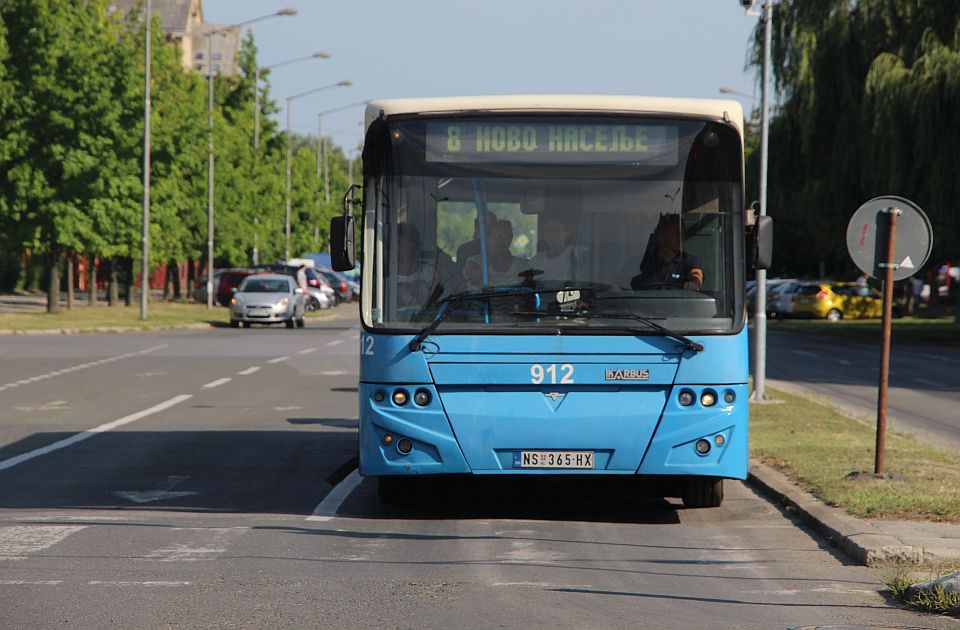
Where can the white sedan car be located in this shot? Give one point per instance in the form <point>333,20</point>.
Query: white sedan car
<point>267,299</point>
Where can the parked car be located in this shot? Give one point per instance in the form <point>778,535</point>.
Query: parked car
<point>267,298</point>
<point>836,300</point>
<point>346,289</point>
<point>320,293</point>
<point>780,298</point>
<point>226,282</point>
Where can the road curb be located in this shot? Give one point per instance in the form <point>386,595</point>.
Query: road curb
<point>856,537</point>
<point>105,329</point>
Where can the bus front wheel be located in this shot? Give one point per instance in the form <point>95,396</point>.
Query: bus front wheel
<point>702,492</point>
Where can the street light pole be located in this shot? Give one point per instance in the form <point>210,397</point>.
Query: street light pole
<point>760,317</point>
<point>322,143</point>
<point>145,238</point>
<point>320,54</point>
<point>210,168</point>
<point>290,99</point>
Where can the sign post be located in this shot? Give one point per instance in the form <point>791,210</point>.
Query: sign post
<point>872,242</point>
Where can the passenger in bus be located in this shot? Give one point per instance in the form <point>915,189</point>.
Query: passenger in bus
<point>472,247</point>
<point>558,259</point>
<point>423,280</point>
<point>665,264</point>
<point>503,268</point>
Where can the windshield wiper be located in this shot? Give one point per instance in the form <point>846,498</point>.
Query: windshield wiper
<point>447,304</point>
<point>690,344</point>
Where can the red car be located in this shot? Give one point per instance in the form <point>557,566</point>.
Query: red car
<point>230,279</point>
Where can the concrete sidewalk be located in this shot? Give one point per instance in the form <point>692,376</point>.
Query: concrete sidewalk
<point>868,542</point>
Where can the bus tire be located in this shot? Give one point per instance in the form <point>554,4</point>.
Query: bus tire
<point>394,490</point>
<point>702,492</point>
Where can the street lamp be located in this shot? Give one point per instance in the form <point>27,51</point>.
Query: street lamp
<point>290,99</point>
<point>753,112</point>
<point>145,238</point>
<point>210,180</point>
<point>320,54</point>
<point>322,146</point>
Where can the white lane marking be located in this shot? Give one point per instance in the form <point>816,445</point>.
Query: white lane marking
<point>290,408</point>
<point>30,582</point>
<point>278,360</point>
<point>217,383</point>
<point>82,366</point>
<point>249,371</point>
<point>331,503</point>
<point>103,428</point>
<point>805,353</point>
<point>335,342</point>
<point>19,540</point>
<point>334,373</point>
<point>132,583</point>
<point>201,543</point>
<point>844,362</point>
<point>924,381</point>
<point>354,338</point>
<point>53,405</point>
<point>307,351</point>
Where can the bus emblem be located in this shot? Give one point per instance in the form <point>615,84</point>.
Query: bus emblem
<point>554,395</point>
<point>627,375</point>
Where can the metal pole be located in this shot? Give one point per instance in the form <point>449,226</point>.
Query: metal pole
<point>889,267</point>
<point>145,238</point>
<point>289,159</point>
<point>326,170</point>
<point>256,108</point>
<point>210,171</point>
<point>760,316</point>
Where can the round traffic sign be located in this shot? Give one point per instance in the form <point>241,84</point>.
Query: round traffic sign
<point>867,237</point>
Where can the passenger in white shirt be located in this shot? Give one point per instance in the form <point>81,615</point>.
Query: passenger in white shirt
<point>559,260</point>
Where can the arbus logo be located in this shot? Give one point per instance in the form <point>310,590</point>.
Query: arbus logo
<point>627,375</point>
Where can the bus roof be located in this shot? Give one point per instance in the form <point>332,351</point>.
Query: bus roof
<point>547,103</point>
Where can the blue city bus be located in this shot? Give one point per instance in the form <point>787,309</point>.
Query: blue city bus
<point>553,286</point>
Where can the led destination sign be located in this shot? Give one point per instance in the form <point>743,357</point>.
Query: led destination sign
<point>551,143</point>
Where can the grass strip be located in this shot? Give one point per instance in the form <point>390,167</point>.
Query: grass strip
<point>940,330</point>
<point>160,315</point>
<point>936,600</point>
<point>817,446</point>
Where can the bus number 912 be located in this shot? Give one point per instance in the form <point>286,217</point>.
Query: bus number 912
<point>540,374</point>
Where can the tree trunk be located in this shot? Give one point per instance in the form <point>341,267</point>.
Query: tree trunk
<point>92,281</point>
<point>175,266</point>
<point>190,283</point>
<point>69,281</point>
<point>53,289</point>
<point>113,293</point>
<point>128,280</point>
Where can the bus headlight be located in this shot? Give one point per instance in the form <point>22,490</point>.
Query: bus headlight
<point>708,398</point>
<point>703,446</point>
<point>686,398</point>
<point>400,397</point>
<point>421,397</point>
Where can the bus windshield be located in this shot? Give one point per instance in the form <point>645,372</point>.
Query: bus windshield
<point>583,223</point>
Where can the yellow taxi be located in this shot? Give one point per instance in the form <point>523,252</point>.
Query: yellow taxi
<point>835,300</point>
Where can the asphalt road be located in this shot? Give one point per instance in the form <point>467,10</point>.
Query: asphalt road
<point>186,479</point>
<point>924,387</point>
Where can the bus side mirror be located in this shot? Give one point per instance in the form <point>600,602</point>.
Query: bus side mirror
<point>343,256</point>
<point>762,243</point>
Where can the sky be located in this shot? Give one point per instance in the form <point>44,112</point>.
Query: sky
<point>418,48</point>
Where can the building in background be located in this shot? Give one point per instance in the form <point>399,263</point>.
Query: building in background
<point>182,22</point>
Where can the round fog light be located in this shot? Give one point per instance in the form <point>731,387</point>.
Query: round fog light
<point>404,445</point>
<point>718,440</point>
<point>388,439</point>
<point>686,398</point>
<point>703,446</point>
<point>379,396</point>
<point>422,397</point>
<point>708,399</point>
<point>728,397</point>
<point>400,397</point>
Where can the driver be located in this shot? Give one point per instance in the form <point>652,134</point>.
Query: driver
<point>665,263</point>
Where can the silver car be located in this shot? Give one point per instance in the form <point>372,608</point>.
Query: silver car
<point>267,299</point>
